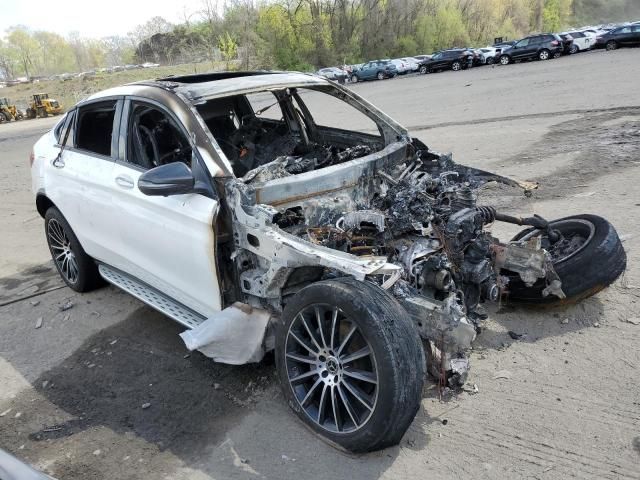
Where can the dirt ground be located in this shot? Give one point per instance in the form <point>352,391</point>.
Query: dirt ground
<point>561,402</point>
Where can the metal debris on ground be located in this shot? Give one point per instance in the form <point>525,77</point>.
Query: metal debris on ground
<point>66,306</point>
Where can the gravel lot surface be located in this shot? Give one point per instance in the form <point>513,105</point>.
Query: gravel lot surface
<point>561,402</point>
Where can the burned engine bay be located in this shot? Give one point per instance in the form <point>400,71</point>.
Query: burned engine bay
<point>398,215</point>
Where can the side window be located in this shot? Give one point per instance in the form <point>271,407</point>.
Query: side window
<point>636,29</point>
<point>265,105</point>
<point>523,43</point>
<point>154,139</point>
<point>625,30</point>
<point>94,127</point>
<point>329,111</point>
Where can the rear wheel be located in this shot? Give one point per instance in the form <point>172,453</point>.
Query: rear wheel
<point>588,258</point>
<point>351,363</point>
<point>544,54</point>
<point>354,79</point>
<point>77,269</point>
<point>612,45</point>
<point>455,66</point>
<point>505,60</point>
<point>490,61</point>
<point>574,49</point>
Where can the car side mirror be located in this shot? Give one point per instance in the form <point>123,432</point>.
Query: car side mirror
<point>170,179</point>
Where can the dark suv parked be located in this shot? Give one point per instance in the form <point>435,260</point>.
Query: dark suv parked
<point>454,59</point>
<point>541,47</point>
<point>625,36</point>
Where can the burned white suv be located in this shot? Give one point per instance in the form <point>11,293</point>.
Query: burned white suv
<point>280,211</point>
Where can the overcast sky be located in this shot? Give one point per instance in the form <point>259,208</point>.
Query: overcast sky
<point>89,17</point>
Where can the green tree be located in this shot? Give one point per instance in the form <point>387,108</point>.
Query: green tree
<point>228,48</point>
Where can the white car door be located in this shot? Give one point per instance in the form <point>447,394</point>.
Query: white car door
<point>78,181</point>
<point>167,242</point>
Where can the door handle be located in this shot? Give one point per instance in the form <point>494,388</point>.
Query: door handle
<point>124,181</point>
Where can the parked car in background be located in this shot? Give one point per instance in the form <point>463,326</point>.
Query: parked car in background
<point>412,62</point>
<point>455,59</point>
<point>333,73</point>
<point>422,58</point>
<point>401,66</point>
<point>376,69</point>
<point>540,47</point>
<point>488,55</point>
<point>626,36</point>
<point>567,44</point>
<point>581,41</point>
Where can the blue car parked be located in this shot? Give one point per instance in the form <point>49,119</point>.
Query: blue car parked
<point>376,69</point>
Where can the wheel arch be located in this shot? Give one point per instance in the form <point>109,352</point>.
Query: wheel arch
<point>43,203</point>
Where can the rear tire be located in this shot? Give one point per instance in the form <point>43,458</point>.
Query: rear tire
<point>354,79</point>
<point>544,55</point>
<point>574,49</point>
<point>598,262</point>
<point>387,348</point>
<point>490,61</point>
<point>77,269</point>
<point>456,66</point>
<point>612,45</point>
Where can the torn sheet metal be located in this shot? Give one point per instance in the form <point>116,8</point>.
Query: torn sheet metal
<point>234,335</point>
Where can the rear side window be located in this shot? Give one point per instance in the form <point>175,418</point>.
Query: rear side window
<point>94,127</point>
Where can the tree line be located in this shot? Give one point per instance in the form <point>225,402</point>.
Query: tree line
<point>303,34</point>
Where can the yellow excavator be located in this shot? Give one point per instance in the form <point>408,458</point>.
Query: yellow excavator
<point>43,106</point>
<point>9,112</point>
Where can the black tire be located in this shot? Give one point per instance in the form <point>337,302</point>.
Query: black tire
<point>398,360</point>
<point>424,69</point>
<point>612,45</point>
<point>456,66</point>
<point>574,49</point>
<point>380,75</point>
<point>60,235</point>
<point>505,60</point>
<point>490,61</point>
<point>544,54</point>
<point>593,267</point>
<point>354,79</point>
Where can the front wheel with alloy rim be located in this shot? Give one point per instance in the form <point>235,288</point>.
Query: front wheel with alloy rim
<point>77,269</point>
<point>455,66</point>
<point>424,69</point>
<point>351,363</point>
<point>505,60</point>
<point>544,55</point>
<point>612,45</point>
<point>380,76</point>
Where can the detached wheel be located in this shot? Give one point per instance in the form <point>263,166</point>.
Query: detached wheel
<point>505,60</point>
<point>456,66</point>
<point>544,55</point>
<point>77,269</point>
<point>612,45</point>
<point>380,76</point>
<point>588,258</point>
<point>351,363</point>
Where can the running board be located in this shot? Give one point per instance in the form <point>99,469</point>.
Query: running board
<point>151,297</point>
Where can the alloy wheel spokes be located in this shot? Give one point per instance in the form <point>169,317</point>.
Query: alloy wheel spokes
<point>331,368</point>
<point>62,252</point>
